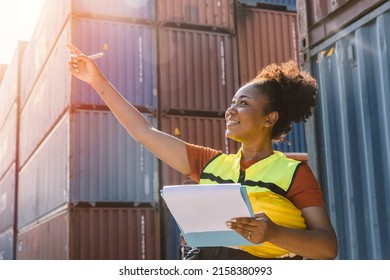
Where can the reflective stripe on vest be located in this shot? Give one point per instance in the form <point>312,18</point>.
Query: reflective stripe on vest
<point>267,183</point>
<point>274,173</point>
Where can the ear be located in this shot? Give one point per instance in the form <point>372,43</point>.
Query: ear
<point>272,118</point>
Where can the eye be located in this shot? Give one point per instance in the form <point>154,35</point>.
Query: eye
<point>243,102</point>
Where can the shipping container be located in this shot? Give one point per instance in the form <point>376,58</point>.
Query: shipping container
<point>295,140</point>
<point>170,235</point>
<point>127,63</point>
<point>350,143</point>
<point>53,19</point>
<point>9,86</point>
<point>279,5</point>
<point>119,10</point>
<point>204,131</point>
<point>93,234</point>
<point>8,136</point>
<point>264,37</point>
<point>197,70</point>
<point>7,199</point>
<point>129,60</point>
<point>199,13</point>
<point>108,165</point>
<point>88,157</point>
<point>320,19</point>
<point>7,244</point>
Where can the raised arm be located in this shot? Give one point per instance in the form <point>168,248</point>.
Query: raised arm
<point>169,149</point>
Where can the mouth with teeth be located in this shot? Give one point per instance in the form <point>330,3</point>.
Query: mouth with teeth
<point>231,122</point>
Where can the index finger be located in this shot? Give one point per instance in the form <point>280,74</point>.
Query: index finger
<point>73,49</point>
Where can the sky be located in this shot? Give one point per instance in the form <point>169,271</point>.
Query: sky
<point>18,19</point>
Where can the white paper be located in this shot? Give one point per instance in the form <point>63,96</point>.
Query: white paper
<point>200,208</point>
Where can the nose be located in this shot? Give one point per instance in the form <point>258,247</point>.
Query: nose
<point>230,111</point>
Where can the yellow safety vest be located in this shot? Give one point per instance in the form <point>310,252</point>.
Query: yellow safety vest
<point>267,183</point>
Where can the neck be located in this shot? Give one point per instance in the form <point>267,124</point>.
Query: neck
<point>248,153</point>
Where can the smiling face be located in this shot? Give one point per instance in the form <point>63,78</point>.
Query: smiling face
<point>246,120</point>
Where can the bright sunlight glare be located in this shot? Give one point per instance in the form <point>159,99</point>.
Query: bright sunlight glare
<point>18,19</point>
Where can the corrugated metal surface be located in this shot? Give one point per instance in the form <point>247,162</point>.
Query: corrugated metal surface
<point>9,85</point>
<point>107,164</point>
<point>45,35</point>
<point>53,19</point>
<point>289,5</point>
<point>44,180</point>
<point>7,199</point>
<point>129,61</point>
<point>209,132</point>
<point>353,130</point>
<point>170,235</point>
<point>135,9</point>
<point>94,234</point>
<point>215,13</point>
<point>295,140</point>
<point>89,158</point>
<point>7,244</point>
<point>326,18</point>
<point>49,99</point>
<point>196,70</point>
<point>115,233</point>
<point>48,240</point>
<point>8,141</point>
<point>265,37</point>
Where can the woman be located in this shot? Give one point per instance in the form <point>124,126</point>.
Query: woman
<point>261,111</point>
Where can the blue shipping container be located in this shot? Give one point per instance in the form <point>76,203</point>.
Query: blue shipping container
<point>352,126</point>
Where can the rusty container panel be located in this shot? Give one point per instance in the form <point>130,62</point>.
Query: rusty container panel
<point>107,164</point>
<point>47,240</point>
<point>44,179</point>
<point>276,39</point>
<point>212,13</point>
<point>7,244</point>
<point>115,9</point>
<point>209,132</point>
<point>93,234</point>
<point>129,60</point>
<point>49,99</point>
<point>8,132</point>
<point>196,70</point>
<point>327,17</point>
<point>7,199</point>
<point>280,5</point>
<point>115,234</point>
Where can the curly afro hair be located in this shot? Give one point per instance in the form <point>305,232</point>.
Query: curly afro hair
<point>290,92</point>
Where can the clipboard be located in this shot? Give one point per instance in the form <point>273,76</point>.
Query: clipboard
<point>201,212</point>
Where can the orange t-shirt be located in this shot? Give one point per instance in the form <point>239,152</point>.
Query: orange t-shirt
<point>304,191</point>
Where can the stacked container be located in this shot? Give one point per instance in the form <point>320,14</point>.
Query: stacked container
<point>267,32</point>
<point>78,174</point>
<point>204,57</point>
<point>76,160</point>
<point>197,79</point>
<point>350,134</point>
<point>9,138</point>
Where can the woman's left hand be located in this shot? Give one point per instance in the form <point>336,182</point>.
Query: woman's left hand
<point>256,230</point>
